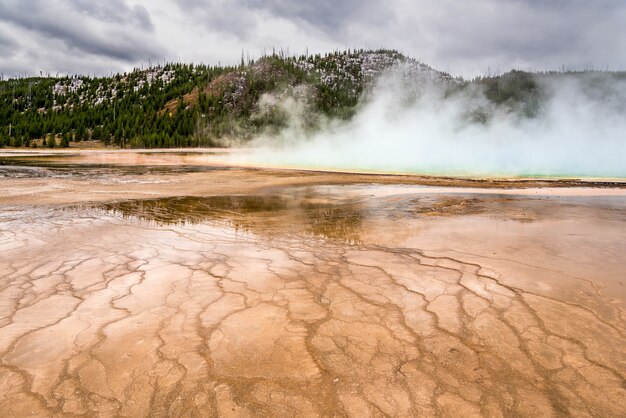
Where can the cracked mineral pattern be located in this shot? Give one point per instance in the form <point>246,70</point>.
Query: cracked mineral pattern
<point>315,301</point>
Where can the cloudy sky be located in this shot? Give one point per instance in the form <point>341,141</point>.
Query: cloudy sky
<point>466,37</point>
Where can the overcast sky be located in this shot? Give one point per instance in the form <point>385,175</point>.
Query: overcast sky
<point>466,37</point>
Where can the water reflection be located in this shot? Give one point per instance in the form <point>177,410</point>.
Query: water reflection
<point>196,209</point>
<point>300,213</point>
<point>345,213</point>
<point>30,169</point>
<point>103,165</point>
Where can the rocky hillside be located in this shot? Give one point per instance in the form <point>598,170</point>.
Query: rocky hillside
<point>197,105</point>
<point>193,105</point>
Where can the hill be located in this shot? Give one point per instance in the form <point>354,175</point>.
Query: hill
<point>180,105</point>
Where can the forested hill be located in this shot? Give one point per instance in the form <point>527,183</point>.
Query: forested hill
<point>180,105</point>
<point>184,104</point>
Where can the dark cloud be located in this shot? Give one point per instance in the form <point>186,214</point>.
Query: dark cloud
<point>330,15</point>
<point>115,11</point>
<point>460,37</point>
<point>7,44</point>
<point>238,17</point>
<point>109,29</point>
<point>224,16</point>
<point>465,37</point>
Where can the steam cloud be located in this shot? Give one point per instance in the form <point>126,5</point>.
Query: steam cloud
<point>580,131</point>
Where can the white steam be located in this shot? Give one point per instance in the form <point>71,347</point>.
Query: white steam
<point>578,132</point>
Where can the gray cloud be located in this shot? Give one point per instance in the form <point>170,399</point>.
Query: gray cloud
<point>223,16</point>
<point>7,43</point>
<point>237,17</point>
<point>533,33</point>
<point>330,15</point>
<point>111,30</point>
<point>115,11</point>
<point>460,37</point>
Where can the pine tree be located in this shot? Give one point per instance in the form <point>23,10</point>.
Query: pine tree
<point>65,140</point>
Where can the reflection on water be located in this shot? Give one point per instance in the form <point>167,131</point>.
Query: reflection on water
<point>196,209</point>
<point>350,213</point>
<point>345,213</point>
<point>294,213</point>
<point>103,165</point>
<point>30,169</point>
<point>337,222</point>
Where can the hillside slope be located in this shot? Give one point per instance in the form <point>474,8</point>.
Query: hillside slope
<point>178,105</point>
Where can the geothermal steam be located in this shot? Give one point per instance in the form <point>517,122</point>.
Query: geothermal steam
<point>578,132</point>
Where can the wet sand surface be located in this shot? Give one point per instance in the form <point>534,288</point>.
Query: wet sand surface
<point>201,290</point>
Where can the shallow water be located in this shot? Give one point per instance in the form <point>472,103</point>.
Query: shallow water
<point>66,168</point>
<point>312,299</point>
